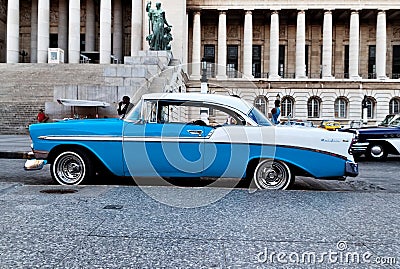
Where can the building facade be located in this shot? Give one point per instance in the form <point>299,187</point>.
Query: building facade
<point>321,58</point>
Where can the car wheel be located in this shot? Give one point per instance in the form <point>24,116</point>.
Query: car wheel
<point>71,167</point>
<point>377,152</point>
<point>272,175</point>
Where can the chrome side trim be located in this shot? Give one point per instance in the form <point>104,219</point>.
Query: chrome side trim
<point>81,138</point>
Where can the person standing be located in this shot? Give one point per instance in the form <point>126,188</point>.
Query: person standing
<point>124,106</point>
<point>276,112</point>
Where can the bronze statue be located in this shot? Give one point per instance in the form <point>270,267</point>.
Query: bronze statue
<point>161,36</point>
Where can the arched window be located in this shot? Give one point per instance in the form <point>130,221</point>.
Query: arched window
<point>261,103</point>
<point>313,107</point>
<point>287,107</point>
<point>370,107</point>
<point>341,107</point>
<point>394,105</point>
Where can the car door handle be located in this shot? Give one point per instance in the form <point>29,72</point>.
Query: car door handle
<point>196,132</point>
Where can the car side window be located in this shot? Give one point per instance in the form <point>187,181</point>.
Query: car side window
<point>189,113</point>
<point>150,111</point>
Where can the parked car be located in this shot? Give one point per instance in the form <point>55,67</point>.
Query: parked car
<point>303,123</point>
<point>330,125</point>
<point>377,142</point>
<point>169,135</point>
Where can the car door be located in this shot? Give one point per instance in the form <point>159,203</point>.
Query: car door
<point>158,147</point>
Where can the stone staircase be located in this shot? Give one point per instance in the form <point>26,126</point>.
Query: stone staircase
<point>25,88</point>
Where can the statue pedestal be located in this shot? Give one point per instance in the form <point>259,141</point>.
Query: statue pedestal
<point>150,57</point>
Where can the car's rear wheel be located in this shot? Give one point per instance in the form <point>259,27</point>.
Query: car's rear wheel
<point>272,175</point>
<point>377,152</point>
<point>71,167</point>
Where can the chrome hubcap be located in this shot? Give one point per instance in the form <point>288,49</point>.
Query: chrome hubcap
<point>377,151</point>
<point>272,175</point>
<point>69,168</point>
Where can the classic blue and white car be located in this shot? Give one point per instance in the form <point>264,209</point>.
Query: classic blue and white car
<point>192,135</point>
<point>376,142</point>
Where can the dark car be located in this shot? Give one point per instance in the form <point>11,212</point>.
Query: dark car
<point>377,142</point>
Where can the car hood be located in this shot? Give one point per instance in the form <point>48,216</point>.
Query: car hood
<point>112,126</point>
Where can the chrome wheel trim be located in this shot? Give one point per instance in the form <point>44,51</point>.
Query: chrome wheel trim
<point>377,151</point>
<point>69,168</point>
<point>272,175</point>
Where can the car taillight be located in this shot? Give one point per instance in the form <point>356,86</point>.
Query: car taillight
<point>353,141</point>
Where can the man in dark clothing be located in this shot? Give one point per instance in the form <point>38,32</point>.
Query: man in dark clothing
<point>124,106</point>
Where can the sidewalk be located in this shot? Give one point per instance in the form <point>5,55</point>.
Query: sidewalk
<point>14,146</point>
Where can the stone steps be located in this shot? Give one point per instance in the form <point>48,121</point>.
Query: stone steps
<point>25,88</point>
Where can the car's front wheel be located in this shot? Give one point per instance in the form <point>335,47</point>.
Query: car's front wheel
<point>71,167</point>
<point>272,175</point>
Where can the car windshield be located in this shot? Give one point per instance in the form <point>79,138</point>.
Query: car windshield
<point>395,122</point>
<point>134,114</point>
<point>259,117</point>
<point>387,120</point>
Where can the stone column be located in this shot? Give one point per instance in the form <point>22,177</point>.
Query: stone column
<point>248,44</point>
<point>136,28</point>
<point>34,28</point>
<point>301,45</point>
<point>196,51</point>
<point>381,45</point>
<point>74,33</point>
<point>354,46</point>
<point>327,45</point>
<point>13,31</point>
<point>90,31</point>
<point>63,27</point>
<point>43,30</point>
<point>221,64</point>
<point>117,30</point>
<point>274,46</point>
<point>105,31</point>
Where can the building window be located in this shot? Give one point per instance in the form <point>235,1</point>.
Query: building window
<point>372,62</point>
<point>256,61</point>
<point>261,104</point>
<point>313,107</point>
<point>394,106</point>
<point>307,54</point>
<point>232,62</point>
<point>281,70</point>
<point>287,107</point>
<point>341,107</point>
<point>209,56</point>
<point>346,61</point>
<point>396,62</point>
<point>370,107</point>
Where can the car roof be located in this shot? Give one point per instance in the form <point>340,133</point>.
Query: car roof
<point>224,100</point>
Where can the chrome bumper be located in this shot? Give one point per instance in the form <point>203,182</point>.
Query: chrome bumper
<point>351,169</point>
<point>34,164</point>
<point>359,148</point>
